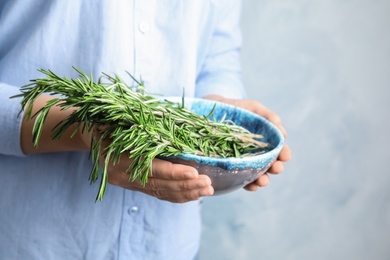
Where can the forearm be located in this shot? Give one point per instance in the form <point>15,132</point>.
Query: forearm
<point>46,144</point>
<point>214,97</point>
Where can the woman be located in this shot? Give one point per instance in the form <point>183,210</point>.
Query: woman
<point>47,205</point>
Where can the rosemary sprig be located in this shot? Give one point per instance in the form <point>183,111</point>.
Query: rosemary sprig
<point>138,124</point>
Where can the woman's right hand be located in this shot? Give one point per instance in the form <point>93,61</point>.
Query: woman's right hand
<point>168,181</point>
<point>171,182</point>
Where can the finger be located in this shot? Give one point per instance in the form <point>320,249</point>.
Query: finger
<point>178,196</point>
<point>263,180</point>
<point>272,117</point>
<point>265,112</point>
<point>191,195</point>
<point>202,181</point>
<point>252,187</point>
<point>170,171</point>
<point>285,154</point>
<point>276,168</point>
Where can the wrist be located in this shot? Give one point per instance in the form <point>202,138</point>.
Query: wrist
<point>215,97</point>
<point>71,140</point>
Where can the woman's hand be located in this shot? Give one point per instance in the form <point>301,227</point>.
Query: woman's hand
<point>171,182</point>
<point>258,108</point>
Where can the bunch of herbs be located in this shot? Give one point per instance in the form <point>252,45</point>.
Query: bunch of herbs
<point>140,125</point>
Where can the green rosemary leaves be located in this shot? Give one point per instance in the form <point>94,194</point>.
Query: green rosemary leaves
<point>138,125</point>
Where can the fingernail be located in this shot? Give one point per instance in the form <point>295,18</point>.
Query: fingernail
<point>203,182</point>
<point>206,192</point>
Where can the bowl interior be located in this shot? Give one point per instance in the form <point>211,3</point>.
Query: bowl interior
<point>252,122</point>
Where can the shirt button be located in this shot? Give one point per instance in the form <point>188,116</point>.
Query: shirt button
<point>133,210</point>
<point>144,27</point>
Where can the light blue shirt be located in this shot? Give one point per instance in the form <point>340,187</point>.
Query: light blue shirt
<point>47,208</point>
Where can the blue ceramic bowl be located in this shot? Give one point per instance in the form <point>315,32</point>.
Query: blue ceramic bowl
<point>229,174</point>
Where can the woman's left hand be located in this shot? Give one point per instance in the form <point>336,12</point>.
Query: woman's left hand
<point>258,108</point>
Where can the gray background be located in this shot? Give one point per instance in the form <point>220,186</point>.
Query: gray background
<point>323,66</point>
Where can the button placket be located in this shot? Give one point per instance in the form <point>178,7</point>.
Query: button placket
<point>144,39</point>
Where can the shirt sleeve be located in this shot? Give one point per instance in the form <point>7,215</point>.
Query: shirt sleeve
<point>10,121</point>
<point>221,72</point>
